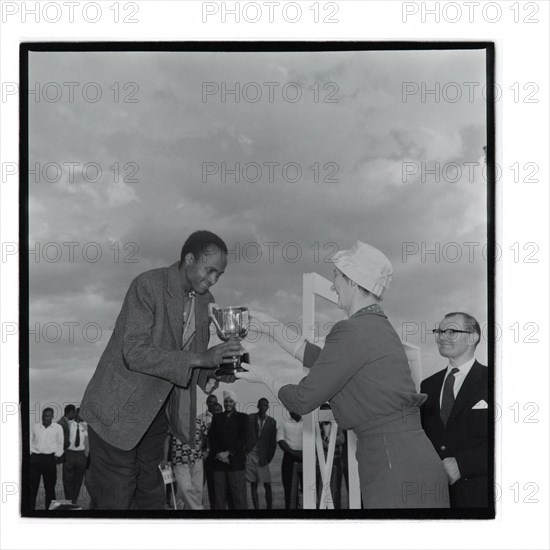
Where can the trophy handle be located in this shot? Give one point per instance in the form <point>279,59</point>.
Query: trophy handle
<point>211,307</point>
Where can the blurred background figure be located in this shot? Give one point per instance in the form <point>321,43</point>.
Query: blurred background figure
<point>69,415</point>
<point>212,406</point>
<point>46,451</point>
<point>262,442</point>
<point>228,449</point>
<point>289,437</point>
<point>75,463</point>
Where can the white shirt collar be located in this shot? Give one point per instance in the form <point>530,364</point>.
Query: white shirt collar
<point>464,368</point>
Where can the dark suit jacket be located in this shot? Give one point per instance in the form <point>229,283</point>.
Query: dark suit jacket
<point>144,359</point>
<point>464,437</point>
<point>266,442</point>
<point>228,433</point>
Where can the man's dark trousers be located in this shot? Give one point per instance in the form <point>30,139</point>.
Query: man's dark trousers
<point>230,489</point>
<point>209,478</point>
<point>287,468</point>
<point>45,466</point>
<point>74,469</point>
<point>130,479</point>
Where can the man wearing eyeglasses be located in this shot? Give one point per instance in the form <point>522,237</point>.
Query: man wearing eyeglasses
<point>455,415</point>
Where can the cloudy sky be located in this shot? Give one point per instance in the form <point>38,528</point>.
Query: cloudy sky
<point>154,145</point>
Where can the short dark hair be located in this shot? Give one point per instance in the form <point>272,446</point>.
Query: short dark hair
<point>47,409</point>
<point>263,399</point>
<point>469,321</point>
<point>70,409</point>
<point>198,242</point>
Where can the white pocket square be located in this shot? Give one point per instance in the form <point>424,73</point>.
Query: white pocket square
<point>481,405</point>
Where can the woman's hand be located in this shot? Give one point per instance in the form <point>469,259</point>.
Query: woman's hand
<point>256,374</point>
<point>286,336</point>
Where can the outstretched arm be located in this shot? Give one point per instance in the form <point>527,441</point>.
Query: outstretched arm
<point>285,335</point>
<point>335,365</point>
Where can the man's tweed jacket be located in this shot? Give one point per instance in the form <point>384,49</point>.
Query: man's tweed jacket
<point>144,360</point>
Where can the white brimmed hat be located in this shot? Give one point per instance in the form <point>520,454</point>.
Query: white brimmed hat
<point>366,266</point>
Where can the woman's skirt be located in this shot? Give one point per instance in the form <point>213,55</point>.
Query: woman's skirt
<point>400,469</point>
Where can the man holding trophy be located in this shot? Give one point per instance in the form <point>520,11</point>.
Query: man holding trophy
<point>149,371</point>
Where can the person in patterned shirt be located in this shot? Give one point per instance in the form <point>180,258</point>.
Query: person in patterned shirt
<point>187,464</point>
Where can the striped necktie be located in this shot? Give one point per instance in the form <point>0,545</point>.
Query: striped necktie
<point>187,303</point>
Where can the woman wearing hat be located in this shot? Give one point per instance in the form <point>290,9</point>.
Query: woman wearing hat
<point>364,373</point>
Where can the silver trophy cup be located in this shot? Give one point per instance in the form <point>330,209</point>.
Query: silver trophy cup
<point>231,324</point>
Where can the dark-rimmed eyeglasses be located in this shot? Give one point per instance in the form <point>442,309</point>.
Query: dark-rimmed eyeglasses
<point>450,332</point>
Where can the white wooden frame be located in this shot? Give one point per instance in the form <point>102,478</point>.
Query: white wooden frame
<point>316,285</point>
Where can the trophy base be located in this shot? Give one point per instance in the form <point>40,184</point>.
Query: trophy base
<point>230,368</point>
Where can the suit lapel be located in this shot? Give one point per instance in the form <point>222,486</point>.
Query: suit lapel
<point>469,387</point>
<point>174,303</point>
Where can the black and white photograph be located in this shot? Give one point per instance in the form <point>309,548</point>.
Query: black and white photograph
<point>259,280</point>
<point>274,274</point>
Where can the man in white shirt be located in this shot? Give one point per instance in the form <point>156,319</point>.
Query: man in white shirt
<point>46,447</point>
<point>455,415</point>
<point>290,439</point>
<point>74,466</point>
